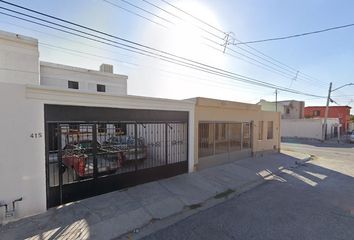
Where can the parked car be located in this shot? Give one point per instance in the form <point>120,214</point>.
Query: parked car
<point>351,138</point>
<point>126,144</point>
<point>77,156</point>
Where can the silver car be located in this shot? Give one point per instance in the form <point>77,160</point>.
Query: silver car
<point>351,138</point>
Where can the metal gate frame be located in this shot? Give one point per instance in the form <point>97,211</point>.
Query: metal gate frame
<point>64,193</point>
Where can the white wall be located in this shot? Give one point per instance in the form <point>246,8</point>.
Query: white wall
<point>306,128</point>
<point>56,75</point>
<point>351,126</point>
<point>19,59</point>
<point>302,128</point>
<point>50,95</point>
<point>22,99</point>
<point>22,158</point>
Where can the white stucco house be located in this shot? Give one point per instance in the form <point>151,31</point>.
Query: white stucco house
<point>69,133</point>
<point>40,100</point>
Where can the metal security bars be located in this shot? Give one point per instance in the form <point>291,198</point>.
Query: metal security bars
<point>93,157</point>
<point>223,137</point>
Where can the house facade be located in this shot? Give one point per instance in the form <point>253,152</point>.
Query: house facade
<point>225,131</point>
<point>290,109</point>
<point>340,112</point>
<point>72,133</point>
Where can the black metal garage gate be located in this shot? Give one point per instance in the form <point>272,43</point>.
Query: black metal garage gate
<point>90,150</point>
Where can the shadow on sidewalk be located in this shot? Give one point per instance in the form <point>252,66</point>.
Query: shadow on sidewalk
<point>79,220</point>
<point>343,143</point>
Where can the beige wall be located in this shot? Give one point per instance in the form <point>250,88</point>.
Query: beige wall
<point>226,111</point>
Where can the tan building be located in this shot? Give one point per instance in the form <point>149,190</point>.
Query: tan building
<point>228,130</point>
<point>290,109</point>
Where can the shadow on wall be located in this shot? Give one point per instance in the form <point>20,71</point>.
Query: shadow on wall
<point>84,219</point>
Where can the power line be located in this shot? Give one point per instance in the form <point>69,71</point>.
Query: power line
<point>198,19</point>
<point>179,18</point>
<point>134,13</point>
<point>196,67</point>
<point>295,35</point>
<point>186,62</point>
<point>294,71</point>
<point>144,10</point>
<point>269,68</point>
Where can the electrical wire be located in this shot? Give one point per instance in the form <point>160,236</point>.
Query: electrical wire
<point>294,35</point>
<point>134,13</point>
<point>146,11</point>
<point>225,34</point>
<point>294,71</point>
<point>191,64</point>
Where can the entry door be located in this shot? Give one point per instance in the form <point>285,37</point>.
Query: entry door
<point>71,162</point>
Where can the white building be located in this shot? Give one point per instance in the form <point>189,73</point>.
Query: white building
<point>69,133</point>
<point>34,96</point>
<point>289,109</point>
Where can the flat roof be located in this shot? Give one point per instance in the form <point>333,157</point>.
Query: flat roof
<point>18,38</point>
<point>79,69</point>
<point>210,102</point>
<point>346,106</point>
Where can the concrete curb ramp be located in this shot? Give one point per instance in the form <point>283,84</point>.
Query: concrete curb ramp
<point>117,213</point>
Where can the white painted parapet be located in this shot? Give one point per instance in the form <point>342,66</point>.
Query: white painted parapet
<point>19,59</point>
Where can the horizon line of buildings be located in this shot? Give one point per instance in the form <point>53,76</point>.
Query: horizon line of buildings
<point>307,122</point>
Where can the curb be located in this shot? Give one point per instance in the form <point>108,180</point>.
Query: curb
<point>158,224</point>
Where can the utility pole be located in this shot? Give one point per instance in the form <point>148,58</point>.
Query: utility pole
<point>229,38</point>
<point>276,100</point>
<point>324,127</point>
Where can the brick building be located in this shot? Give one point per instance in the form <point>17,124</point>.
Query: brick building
<point>340,112</point>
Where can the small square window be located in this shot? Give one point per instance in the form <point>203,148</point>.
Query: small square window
<point>73,85</point>
<point>101,88</point>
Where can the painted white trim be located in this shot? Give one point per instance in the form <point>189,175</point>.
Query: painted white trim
<point>82,70</point>
<point>53,95</point>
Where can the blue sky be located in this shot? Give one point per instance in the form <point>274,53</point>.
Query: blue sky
<point>325,57</point>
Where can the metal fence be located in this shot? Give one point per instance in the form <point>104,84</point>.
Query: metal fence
<point>85,151</point>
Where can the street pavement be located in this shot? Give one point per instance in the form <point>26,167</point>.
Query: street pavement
<point>130,210</point>
<point>313,201</point>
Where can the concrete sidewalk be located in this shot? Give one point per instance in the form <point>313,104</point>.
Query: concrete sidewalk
<point>111,215</point>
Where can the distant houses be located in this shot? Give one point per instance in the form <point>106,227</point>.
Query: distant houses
<point>298,121</point>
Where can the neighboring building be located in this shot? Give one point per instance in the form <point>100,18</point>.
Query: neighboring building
<point>309,128</point>
<point>351,127</point>
<point>289,109</point>
<point>61,76</point>
<point>229,130</point>
<point>66,124</point>
<point>340,112</point>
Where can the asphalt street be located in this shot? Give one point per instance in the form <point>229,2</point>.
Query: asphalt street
<point>313,201</point>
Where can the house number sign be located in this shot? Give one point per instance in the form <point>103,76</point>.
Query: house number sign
<point>36,135</point>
